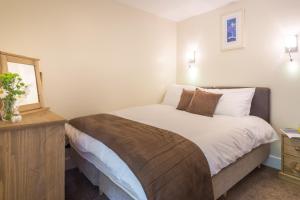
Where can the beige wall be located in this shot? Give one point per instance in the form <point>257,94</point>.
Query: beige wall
<point>261,63</point>
<point>96,55</point>
<point>99,55</point>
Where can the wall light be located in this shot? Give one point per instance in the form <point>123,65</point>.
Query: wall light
<point>291,45</point>
<point>192,59</point>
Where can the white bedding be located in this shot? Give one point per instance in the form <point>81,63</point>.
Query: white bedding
<point>223,139</point>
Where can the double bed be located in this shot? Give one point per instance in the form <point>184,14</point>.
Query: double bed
<point>233,146</point>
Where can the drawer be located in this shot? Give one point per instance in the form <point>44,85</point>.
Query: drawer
<point>292,146</point>
<point>291,165</point>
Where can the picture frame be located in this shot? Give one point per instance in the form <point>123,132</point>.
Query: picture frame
<point>28,69</point>
<point>232,26</point>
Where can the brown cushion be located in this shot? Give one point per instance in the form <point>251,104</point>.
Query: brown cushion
<point>204,103</point>
<point>185,99</point>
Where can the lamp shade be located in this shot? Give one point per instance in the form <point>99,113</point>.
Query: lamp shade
<point>291,41</point>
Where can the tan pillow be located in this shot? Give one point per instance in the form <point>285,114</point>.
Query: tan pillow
<point>185,99</point>
<point>204,103</point>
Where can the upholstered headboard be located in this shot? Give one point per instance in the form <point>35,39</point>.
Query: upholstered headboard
<point>261,106</point>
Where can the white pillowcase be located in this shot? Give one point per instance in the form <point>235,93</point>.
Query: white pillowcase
<point>234,102</point>
<point>173,94</point>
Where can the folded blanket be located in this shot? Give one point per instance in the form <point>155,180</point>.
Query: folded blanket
<point>167,165</point>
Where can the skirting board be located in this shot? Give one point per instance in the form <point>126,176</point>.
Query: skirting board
<point>273,161</point>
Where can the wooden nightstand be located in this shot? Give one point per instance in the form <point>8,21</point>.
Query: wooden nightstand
<point>290,159</point>
<point>32,158</point>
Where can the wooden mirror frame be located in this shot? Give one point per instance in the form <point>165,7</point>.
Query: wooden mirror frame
<point>8,57</point>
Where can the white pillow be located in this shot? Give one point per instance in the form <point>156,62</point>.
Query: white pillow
<point>173,94</point>
<point>234,102</point>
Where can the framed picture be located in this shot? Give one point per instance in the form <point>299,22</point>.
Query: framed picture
<point>232,30</point>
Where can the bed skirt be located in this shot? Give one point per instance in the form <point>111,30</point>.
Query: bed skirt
<point>222,181</point>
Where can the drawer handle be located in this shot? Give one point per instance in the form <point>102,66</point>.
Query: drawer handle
<point>297,148</point>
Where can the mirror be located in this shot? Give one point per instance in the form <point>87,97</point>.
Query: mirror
<point>28,69</point>
<point>27,74</point>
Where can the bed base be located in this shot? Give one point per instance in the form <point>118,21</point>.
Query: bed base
<point>222,182</point>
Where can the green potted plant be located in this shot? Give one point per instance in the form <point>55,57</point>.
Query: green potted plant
<point>12,89</point>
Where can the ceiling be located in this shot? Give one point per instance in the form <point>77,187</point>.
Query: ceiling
<point>176,10</point>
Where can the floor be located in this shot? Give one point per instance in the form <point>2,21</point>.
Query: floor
<point>261,184</point>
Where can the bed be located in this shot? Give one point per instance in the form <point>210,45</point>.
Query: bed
<point>230,158</point>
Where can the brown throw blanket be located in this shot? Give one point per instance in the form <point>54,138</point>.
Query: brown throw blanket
<point>168,166</point>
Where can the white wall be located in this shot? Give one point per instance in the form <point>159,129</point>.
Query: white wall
<point>96,55</point>
<point>262,62</point>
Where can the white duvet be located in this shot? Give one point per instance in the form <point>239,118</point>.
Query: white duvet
<point>223,140</point>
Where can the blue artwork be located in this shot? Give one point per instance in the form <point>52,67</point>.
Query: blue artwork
<point>231,30</point>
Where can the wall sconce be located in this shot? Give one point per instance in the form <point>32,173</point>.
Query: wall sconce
<point>192,59</point>
<point>291,45</point>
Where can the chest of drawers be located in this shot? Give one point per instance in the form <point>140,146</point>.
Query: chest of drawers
<point>32,158</point>
<point>290,159</point>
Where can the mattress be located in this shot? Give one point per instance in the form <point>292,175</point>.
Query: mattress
<point>223,139</point>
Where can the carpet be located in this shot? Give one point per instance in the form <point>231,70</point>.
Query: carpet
<point>261,184</point>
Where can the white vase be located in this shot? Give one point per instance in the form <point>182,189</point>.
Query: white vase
<point>16,114</point>
<point>16,118</point>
